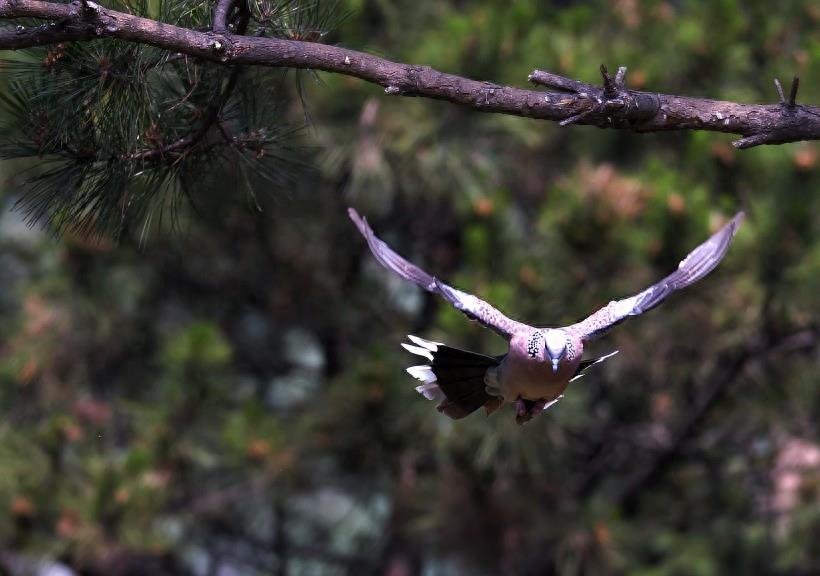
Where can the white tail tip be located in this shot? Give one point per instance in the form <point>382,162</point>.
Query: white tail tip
<point>418,350</point>
<point>423,373</point>
<point>431,391</point>
<point>428,344</point>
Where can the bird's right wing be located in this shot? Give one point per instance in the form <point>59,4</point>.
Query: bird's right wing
<point>473,307</point>
<point>697,264</point>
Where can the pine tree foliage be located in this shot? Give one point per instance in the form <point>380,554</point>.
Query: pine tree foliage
<point>119,133</point>
<point>311,22</point>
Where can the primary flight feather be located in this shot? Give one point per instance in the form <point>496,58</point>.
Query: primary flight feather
<point>541,361</point>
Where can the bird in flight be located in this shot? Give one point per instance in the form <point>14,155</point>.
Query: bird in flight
<point>541,361</point>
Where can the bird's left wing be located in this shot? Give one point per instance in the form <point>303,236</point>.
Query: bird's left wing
<point>473,307</point>
<point>695,266</point>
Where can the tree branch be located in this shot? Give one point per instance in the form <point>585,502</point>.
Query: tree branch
<point>635,485</point>
<point>728,370</point>
<point>221,10</point>
<point>611,105</point>
<point>231,16</point>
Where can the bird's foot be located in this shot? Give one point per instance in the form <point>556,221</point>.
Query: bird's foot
<point>520,408</point>
<point>526,409</point>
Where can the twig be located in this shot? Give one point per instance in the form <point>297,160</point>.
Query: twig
<point>635,485</point>
<point>793,92</point>
<point>550,80</point>
<point>779,91</point>
<point>183,146</point>
<point>613,86</point>
<point>221,10</point>
<point>729,369</point>
<point>224,22</point>
<point>613,106</point>
<point>577,118</point>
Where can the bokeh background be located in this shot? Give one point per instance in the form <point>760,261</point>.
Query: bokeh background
<point>228,396</point>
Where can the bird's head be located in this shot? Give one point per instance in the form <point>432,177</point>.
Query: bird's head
<point>556,345</point>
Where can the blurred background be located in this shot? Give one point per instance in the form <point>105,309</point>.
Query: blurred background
<point>227,396</point>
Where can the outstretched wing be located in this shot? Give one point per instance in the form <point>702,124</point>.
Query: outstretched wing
<point>474,308</point>
<point>695,266</point>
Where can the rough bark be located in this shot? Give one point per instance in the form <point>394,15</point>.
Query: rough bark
<point>611,105</point>
<point>221,10</point>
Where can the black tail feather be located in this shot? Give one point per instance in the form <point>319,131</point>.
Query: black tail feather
<point>458,374</point>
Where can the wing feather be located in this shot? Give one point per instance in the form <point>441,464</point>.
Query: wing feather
<point>473,307</point>
<point>697,264</point>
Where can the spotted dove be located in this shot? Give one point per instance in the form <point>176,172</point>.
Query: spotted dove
<point>541,361</point>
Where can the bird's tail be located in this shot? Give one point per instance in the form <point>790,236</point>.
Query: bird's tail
<point>456,377</point>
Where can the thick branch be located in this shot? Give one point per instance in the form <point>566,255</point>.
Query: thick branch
<point>609,106</point>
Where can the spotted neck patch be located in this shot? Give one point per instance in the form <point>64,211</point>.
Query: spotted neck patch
<point>570,350</point>
<point>535,344</point>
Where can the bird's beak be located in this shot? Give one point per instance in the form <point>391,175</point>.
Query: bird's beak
<point>555,365</point>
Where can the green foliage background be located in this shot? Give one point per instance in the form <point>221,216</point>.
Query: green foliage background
<point>229,394</point>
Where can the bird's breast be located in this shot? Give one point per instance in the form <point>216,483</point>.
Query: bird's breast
<point>532,378</point>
